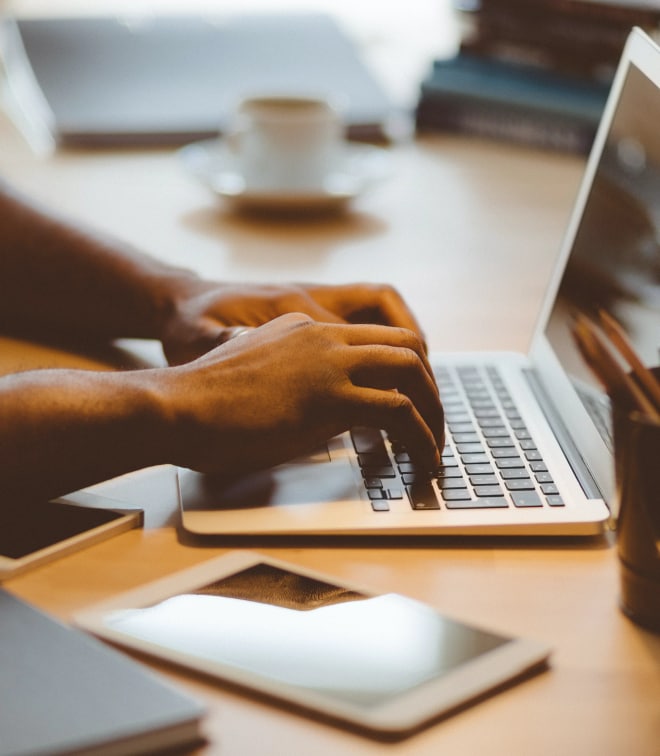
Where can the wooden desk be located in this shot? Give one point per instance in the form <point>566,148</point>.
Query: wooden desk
<point>468,231</point>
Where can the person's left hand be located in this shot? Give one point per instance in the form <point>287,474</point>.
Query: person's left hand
<point>207,314</point>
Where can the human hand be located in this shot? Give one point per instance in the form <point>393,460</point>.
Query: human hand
<point>207,314</point>
<point>292,384</point>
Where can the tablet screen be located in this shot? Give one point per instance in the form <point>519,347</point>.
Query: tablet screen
<point>360,650</point>
<point>26,528</point>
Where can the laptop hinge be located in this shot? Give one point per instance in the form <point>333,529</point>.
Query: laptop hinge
<point>575,459</point>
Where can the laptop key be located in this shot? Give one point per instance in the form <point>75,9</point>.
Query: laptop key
<point>456,494</point>
<point>487,492</point>
<point>524,484</point>
<point>469,448</point>
<point>423,496</point>
<point>367,440</point>
<point>508,463</point>
<point>460,427</point>
<point>386,471</point>
<point>544,477</point>
<point>514,473</point>
<point>485,502</point>
<point>507,451</point>
<point>448,472</point>
<point>447,483</point>
<point>478,458</point>
<point>484,480</point>
<point>526,499</point>
<point>466,438</point>
<point>554,500</point>
<point>490,422</point>
<point>373,459</point>
<point>380,505</point>
<point>499,442</point>
<point>457,417</point>
<point>479,469</point>
<point>496,432</point>
<point>489,412</point>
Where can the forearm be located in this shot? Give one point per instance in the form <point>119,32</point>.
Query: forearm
<point>58,280</point>
<point>61,430</point>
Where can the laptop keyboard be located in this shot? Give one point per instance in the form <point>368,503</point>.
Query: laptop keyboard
<point>490,459</point>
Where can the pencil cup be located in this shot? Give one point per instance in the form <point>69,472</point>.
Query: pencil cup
<point>637,461</point>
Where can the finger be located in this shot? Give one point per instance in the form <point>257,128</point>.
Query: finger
<point>318,312</point>
<point>368,303</point>
<point>192,343</point>
<point>397,415</point>
<point>401,370</point>
<point>402,338</point>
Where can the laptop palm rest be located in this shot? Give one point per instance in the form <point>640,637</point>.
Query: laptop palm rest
<point>311,483</point>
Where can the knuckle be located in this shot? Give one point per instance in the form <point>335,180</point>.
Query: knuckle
<point>415,342</point>
<point>385,289</point>
<point>401,404</point>
<point>298,319</point>
<point>410,358</point>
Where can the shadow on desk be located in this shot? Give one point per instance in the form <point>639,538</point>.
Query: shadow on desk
<point>513,543</point>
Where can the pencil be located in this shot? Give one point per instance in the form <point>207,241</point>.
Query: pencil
<point>618,338</point>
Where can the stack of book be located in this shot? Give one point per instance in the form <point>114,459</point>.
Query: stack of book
<point>532,71</point>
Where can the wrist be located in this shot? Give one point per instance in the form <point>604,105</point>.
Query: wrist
<point>79,427</point>
<point>152,415</point>
<point>167,291</point>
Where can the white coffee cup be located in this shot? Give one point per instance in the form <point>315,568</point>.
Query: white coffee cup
<point>285,143</point>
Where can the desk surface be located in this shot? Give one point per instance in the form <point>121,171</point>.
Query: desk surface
<point>468,231</point>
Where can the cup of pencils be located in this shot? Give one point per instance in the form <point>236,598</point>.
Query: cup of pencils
<point>635,395</point>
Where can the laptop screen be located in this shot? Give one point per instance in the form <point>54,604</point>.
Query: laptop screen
<point>614,263</point>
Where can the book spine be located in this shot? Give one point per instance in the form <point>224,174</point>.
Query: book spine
<point>593,66</point>
<point>512,125</point>
<point>510,87</point>
<point>553,29</point>
<point>627,12</point>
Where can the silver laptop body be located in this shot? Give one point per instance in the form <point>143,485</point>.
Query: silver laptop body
<point>529,449</point>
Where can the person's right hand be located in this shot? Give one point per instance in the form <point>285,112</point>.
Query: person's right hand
<point>289,385</point>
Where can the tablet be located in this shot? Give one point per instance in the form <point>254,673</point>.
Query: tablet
<point>382,663</point>
<point>34,533</point>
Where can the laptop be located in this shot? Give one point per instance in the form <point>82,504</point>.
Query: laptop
<point>529,447</point>
<point>170,79</point>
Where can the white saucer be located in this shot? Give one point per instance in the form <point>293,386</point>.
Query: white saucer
<point>358,167</point>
